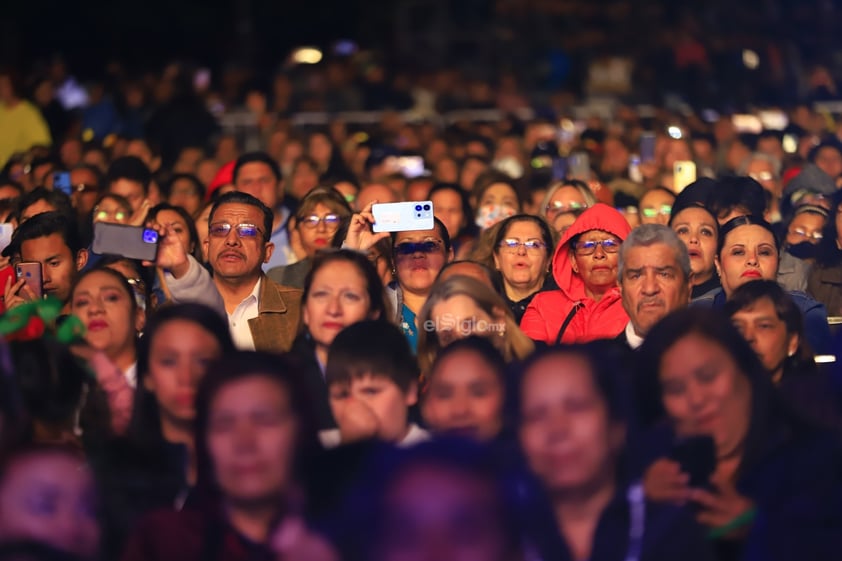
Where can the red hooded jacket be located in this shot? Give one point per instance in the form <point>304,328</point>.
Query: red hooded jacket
<point>593,320</point>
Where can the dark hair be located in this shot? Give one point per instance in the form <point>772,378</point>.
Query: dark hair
<point>658,189</point>
<point>117,275</point>
<point>6,182</point>
<point>546,233</point>
<point>732,193</point>
<point>748,294</point>
<point>188,220</point>
<point>714,326</point>
<point>374,285</point>
<point>746,220</point>
<point>259,157</point>
<point>829,253</point>
<point>372,347</point>
<point>364,512</point>
<point>489,178</point>
<point>131,168</point>
<point>145,274</point>
<point>237,366</point>
<point>240,198</point>
<point>607,361</point>
<point>43,225</point>
<point>51,383</point>
<point>197,185</point>
<point>470,228</point>
<point>826,143</point>
<point>145,424</point>
<point>442,230</point>
<point>58,200</point>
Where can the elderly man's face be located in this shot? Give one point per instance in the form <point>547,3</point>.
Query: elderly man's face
<point>652,285</point>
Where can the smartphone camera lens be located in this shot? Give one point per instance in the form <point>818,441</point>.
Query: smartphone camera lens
<point>150,236</point>
<point>426,207</point>
<point>417,207</point>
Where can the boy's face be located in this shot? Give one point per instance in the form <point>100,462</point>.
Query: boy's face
<point>372,406</point>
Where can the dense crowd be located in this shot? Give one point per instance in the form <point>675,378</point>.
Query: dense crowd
<point>618,341</point>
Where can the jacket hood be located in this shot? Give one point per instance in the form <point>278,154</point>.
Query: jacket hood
<point>598,217</point>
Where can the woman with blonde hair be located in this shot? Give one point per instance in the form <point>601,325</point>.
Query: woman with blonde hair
<point>461,306</point>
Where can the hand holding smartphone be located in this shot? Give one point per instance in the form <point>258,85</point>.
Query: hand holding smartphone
<point>32,275</point>
<point>402,217</point>
<point>132,242</point>
<point>697,457</point>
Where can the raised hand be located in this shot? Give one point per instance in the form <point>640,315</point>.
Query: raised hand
<point>360,236</point>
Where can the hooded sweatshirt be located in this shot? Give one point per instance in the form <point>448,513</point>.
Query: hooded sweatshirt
<point>547,312</point>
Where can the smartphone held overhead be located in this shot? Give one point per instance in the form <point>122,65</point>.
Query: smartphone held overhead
<point>132,242</point>
<point>403,217</point>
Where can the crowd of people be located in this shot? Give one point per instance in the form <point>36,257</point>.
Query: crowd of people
<point>584,358</point>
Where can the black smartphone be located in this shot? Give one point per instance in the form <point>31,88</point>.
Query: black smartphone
<point>133,242</point>
<point>697,457</point>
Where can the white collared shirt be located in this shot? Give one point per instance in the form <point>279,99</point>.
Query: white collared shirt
<point>238,320</point>
<point>633,338</point>
<point>131,375</point>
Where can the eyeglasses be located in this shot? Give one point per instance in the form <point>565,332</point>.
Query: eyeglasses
<point>312,222</point>
<point>804,234</point>
<point>409,248</point>
<point>531,246</point>
<point>221,230</point>
<point>588,247</point>
<point>652,212</point>
<point>101,215</point>
<point>559,207</point>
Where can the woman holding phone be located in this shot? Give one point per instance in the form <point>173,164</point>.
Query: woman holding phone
<point>774,476</point>
<point>418,255</point>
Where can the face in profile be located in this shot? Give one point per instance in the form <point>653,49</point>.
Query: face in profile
<point>566,433</point>
<point>251,438</point>
<point>49,497</point>
<point>438,513</point>
<point>465,396</point>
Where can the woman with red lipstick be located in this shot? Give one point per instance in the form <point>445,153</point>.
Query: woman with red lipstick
<point>319,217</point>
<point>342,288</point>
<point>522,249</point>
<point>774,479</point>
<point>748,250</point>
<point>587,304</point>
<point>105,302</point>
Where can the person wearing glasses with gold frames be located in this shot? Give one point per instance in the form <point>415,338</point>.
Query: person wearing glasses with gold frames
<point>262,314</point>
<point>587,304</point>
<point>319,216</point>
<point>523,248</point>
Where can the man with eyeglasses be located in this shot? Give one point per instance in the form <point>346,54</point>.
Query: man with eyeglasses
<point>654,277</point>
<point>262,314</point>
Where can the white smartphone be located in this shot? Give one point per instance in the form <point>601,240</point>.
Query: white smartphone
<point>403,217</point>
<point>684,173</point>
<point>6,231</point>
